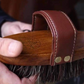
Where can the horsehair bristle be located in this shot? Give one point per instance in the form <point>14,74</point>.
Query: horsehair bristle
<point>50,73</point>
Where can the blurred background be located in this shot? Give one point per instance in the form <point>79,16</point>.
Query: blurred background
<point>79,7</point>
<point>22,9</point>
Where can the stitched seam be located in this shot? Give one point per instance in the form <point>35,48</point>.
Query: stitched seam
<point>74,35</point>
<point>47,19</point>
<point>54,27</point>
<point>48,24</point>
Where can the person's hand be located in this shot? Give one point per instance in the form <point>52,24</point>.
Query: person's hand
<point>12,48</point>
<point>8,77</point>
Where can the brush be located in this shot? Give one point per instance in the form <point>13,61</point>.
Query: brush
<point>54,49</point>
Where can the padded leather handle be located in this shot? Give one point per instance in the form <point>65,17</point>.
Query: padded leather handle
<point>63,34</point>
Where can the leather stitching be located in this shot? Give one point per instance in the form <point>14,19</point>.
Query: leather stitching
<point>74,42</point>
<point>54,28</point>
<point>54,32</point>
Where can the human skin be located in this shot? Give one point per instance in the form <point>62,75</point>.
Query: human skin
<point>12,48</point>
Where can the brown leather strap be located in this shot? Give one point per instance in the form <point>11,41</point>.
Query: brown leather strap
<point>63,33</point>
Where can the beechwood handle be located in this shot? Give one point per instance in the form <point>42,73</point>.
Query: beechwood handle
<point>37,48</point>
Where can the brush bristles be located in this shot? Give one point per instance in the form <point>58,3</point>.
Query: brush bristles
<point>50,73</point>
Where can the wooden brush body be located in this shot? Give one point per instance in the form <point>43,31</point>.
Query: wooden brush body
<point>37,48</point>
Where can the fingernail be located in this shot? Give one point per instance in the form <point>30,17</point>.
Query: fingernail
<point>12,47</point>
<point>35,77</point>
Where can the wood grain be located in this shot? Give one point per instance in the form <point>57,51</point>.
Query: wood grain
<point>37,48</point>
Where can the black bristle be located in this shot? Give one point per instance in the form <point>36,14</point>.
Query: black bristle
<point>50,73</point>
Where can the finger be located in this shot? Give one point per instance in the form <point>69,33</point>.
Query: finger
<point>10,47</point>
<point>7,77</point>
<point>9,29</point>
<point>24,26</point>
<point>30,80</point>
<point>15,29</point>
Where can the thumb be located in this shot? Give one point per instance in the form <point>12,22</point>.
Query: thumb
<point>10,47</point>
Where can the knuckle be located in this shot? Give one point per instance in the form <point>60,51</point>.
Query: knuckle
<point>13,26</point>
<point>17,22</point>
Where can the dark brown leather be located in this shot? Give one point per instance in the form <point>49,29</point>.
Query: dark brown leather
<point>62,30</point>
